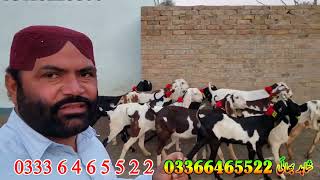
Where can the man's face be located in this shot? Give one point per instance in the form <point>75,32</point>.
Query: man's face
<point>58,97</point>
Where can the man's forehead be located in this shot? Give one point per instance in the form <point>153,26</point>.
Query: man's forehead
<point>68,56</point>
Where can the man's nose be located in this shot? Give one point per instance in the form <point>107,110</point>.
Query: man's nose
<point>72,86</point>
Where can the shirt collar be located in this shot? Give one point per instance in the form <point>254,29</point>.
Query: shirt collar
<point>35,143</point>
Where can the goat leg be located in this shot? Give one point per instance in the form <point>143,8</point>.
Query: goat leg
<point>162,138</point>
<point>251,154</point>
<point>125,136</point>
<point>260,156</point>
<point>214,146</point>
<point>275,151</point>
<point>199,144</point>
<point>127,145</point>
<point>232,153</point>
<point>174,140</point>
<point>141,145</point>
<point>312,147</point>
<point>293,135</point>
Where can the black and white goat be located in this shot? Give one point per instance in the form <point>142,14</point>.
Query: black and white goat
<point>254,132</point>
<point>310,118</point>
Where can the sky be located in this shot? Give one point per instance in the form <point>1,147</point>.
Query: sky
<point>232,2</point>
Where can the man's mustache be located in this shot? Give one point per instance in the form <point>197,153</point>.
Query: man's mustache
<point>71,99</point>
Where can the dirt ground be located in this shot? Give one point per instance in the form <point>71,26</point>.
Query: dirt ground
<point>300,147</point>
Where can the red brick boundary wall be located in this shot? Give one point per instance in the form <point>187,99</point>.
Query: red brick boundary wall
<point>243,47</point>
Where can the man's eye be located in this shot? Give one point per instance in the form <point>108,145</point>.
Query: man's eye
<point>51,75</point>
<point>87,74</point>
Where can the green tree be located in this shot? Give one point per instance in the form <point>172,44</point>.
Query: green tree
<point>164,3</point>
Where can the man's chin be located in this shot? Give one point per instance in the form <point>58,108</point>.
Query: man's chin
<point>74,122</point>
<point>71,128</point>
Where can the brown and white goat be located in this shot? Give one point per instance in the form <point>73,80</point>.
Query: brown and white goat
<point>257,100</point>
<point>176,89</point>
<point>175,122</point>
<point>192,95</point>
<point>144,97</point>
<point>139,117</point>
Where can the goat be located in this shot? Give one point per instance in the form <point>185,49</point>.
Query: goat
<point>141,97</point>
<point>142,120</point>
<point>107,103</point>
<point>254,132</point>
<point>227,105</point>
<point>207,93</point>
<point>176,89</point>
<point>192,96</point>
<point>310,118</point>
<point>138,117</point>
<point>175,122</point>
<point>257,100</point>
<point>119,118</point>
<point>192,99</point>
<point>180,87</point>
<point>143,86</point>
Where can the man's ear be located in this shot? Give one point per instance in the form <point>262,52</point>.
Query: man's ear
<point>12,87</point>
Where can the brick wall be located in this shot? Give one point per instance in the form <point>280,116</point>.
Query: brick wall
<point>245,47</point>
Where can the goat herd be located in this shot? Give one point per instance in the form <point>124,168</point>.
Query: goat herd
<point>210,116</point>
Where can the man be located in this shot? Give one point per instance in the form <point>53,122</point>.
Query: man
<point>51,80</point>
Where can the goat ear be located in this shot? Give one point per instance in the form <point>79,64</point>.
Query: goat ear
<point>228,109</point>
<point>134,125</point>
<point>187,99</point>
<point>275,85</point>
<point>134,128</point>
<point>213,87</point>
